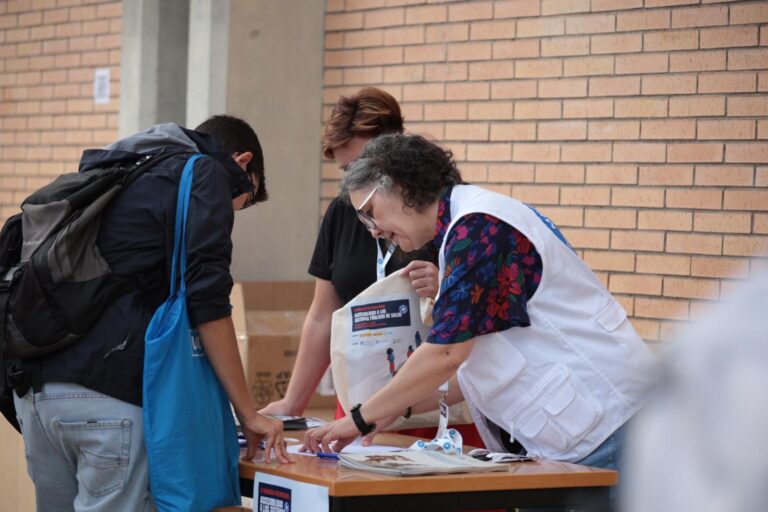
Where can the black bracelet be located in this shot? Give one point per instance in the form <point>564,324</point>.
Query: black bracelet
<point>364,427</point>
<point>407,413</point>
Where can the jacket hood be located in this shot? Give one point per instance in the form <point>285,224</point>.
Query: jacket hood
<point>160,138</point>
<point>155,139</point>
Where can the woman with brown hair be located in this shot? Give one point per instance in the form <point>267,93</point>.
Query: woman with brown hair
<point>347,259</point>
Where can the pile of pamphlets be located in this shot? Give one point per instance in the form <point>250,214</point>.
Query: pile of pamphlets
<point>417,462</point>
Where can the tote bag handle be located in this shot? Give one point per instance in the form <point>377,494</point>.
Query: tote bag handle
<point>180,232</point>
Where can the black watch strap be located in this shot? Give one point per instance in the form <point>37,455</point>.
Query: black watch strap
<point>360,423</point>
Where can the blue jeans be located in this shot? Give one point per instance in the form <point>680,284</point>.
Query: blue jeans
<point>606,456</point>
<point>85,450</point>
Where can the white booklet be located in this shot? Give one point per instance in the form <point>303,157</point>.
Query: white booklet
<point>354,447</point>
<point>416,462</point>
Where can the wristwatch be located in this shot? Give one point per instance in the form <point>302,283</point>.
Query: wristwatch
<point>362,426</point>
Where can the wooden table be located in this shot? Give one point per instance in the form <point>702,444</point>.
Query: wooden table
<point>525,484</point>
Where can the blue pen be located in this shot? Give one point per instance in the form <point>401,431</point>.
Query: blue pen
<point>328,455</point>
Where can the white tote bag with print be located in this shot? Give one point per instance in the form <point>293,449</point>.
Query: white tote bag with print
<point>372,336</point>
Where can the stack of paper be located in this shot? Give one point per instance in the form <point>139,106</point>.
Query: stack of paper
<point>416,462</point>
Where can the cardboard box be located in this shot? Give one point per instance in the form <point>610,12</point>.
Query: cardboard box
<point>268,318</point>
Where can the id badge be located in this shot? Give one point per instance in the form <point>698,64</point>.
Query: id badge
<point>443,424</point>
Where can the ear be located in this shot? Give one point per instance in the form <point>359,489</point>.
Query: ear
<point>242,159</point>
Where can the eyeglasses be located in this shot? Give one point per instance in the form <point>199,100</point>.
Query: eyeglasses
<point>251,199</point>
<point>252,190</point>
<point>364,217</point>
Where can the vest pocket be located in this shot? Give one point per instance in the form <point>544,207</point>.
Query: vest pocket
<point>611,316</point>
<point>561,414</point>
<point>494,366</point>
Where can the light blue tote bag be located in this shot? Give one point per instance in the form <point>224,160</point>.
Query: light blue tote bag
<point>189,431</point>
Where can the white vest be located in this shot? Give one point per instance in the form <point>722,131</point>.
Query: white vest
<point>577,373</point>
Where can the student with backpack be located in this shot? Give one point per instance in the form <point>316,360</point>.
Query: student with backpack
<point>80,406</point>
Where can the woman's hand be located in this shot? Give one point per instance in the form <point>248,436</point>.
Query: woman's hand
<point>367,440</point>
<point>423,276</point>
<point>331,437</point>
<point>336,435</point>
<point>270,430</point>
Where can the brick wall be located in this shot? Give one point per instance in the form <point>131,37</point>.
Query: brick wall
<point>49,50</point>
<point>638,126</point>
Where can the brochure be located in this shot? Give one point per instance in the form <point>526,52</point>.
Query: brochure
<point>416,462</point>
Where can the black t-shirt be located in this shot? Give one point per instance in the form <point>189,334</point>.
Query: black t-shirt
<point>345,253</point>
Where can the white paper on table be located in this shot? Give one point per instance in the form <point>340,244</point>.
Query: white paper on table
<point>354,447</point>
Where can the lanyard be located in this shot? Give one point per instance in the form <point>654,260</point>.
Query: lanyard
<point>444,411</point>
<point>382,260</point>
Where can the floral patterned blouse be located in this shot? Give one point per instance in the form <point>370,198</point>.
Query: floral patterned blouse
<point>491,270</point>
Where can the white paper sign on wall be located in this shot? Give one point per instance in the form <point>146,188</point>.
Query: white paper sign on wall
<point>101,86</point>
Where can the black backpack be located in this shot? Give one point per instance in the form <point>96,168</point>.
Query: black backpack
<point>56,285</point>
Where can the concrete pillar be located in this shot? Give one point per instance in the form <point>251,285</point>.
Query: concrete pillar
<point>261,60</point>
<point>208,62</point>
<point>153,71</point>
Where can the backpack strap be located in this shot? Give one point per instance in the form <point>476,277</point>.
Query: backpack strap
<point>147,162</point>
<point>10,253</point>
<point>7,407</point>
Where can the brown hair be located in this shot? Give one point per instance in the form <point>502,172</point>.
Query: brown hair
<point>368,113</point>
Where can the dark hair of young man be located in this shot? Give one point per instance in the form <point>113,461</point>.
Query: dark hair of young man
<point>233,135</point>
<point>369,113</point>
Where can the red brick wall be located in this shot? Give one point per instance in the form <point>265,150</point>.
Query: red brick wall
<point>638,126</point>
<point>49,50</point>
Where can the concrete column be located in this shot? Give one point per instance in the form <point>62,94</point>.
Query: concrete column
<point>208,62</point>
<point>153,71</point>
<point>172,62</point>
<point>275,83</point>
<point>261,60</point>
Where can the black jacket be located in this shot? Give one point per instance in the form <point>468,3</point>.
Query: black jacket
<point>136,239</point>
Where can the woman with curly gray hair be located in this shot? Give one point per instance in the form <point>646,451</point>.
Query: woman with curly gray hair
<point>524,330</point>
<point>346,260</point>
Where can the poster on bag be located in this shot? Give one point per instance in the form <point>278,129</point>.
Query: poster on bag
<point>372,337</point>
<point>384,332</point>
<point>385,314</point>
